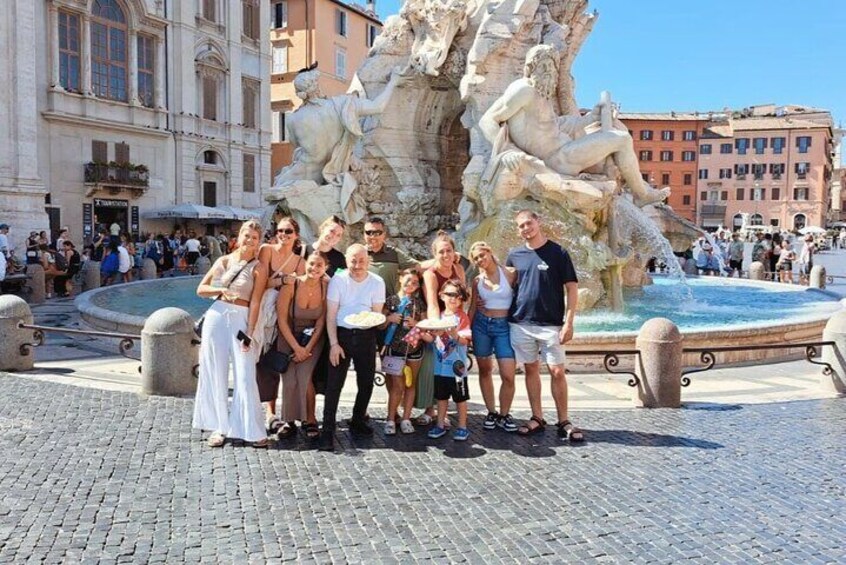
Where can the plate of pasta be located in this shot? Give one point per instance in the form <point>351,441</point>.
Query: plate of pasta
<point>438,324</point>
<point>365,320</point>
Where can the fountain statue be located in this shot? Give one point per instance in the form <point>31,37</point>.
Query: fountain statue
<point>479,121</point>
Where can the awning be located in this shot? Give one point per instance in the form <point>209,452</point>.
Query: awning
<point>236,213</point>
<point>195,211</point>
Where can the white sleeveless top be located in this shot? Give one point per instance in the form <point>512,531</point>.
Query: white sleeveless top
<point>500,297</point>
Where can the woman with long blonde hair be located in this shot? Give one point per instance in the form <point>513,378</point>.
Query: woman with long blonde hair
<point>493,292</point>
<point>236,281</point>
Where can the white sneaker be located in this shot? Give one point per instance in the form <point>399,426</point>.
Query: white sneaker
<point>407,427</point>
<point>390,428</point>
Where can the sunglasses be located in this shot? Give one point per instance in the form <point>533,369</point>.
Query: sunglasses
<point>451,294</point>
<point>286,231</point>
<point>373,232</point>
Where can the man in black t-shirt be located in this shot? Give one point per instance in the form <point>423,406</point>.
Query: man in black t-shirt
<point>541,321</point>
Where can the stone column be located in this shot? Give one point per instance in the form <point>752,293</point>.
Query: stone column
<point>168,354</point>
<point>835,355</point>
<point>14,310</point>
<point>660,364</point>
<point>757,271</point>
<point>133,68</point>
<point>148,269</point>
<point>91,275</point>
<point>36,284</point>
<point>85,55</point>
<point>817,277</point>
<point>53,38</point>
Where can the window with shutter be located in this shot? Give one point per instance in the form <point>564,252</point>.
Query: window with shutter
<point>209,98</point>
<point>280,59</point>
<point>99,151</point>
<point>209,10</point>
<point>122,153</point>
<point>279,17</point>
<point>249,172</point>
<point>249,94</point>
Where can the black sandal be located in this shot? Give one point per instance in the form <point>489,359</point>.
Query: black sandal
<point>287,430</point>
<point>568,431</point>
<point>312,431</point>
<point>527,430</point>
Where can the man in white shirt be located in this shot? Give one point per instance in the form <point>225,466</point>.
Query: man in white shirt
<point>350,292</point>
<point>192,250</point>
<point>4,240</point>
<point>114,231</point>
<point>124,264</point>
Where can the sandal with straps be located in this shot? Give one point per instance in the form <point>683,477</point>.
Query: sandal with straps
<point>527,429</point>
<point>567,430</point>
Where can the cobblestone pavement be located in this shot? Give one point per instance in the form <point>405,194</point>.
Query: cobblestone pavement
<point>91,475</point>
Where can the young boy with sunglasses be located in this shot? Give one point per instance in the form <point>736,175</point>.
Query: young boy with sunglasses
<point>451,361</point>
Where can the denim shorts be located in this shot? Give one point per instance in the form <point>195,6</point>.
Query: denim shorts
<point>491,336</point>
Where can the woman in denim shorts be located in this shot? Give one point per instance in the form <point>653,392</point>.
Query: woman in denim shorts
<point>492,295</point>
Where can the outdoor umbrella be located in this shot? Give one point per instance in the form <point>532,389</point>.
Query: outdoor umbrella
<point>812,230</point>
<point>236,213</point>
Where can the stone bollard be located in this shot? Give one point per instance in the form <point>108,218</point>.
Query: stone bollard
<point>168,355</point>
<point>36,284</point>
<point>148,269</point>
<point>14,309</point>
<point>757,271</point>
<point>690,267</point>
<point>817,277</point>
<point>91,275</point>
<point>202,266</point>
<point>835,355</point>
<point>660,365</point>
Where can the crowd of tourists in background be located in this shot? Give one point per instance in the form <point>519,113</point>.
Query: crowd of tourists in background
<point>787,257</point>
<point>284,316</point>
<point>120,257</point>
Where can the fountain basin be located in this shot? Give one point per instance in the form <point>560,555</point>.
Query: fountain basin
<point>710,312</point>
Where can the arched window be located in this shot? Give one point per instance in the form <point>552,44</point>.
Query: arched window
<point>109,50</point>
<point>756,220</point>
<point>737,221</point>
<point>799,221</point>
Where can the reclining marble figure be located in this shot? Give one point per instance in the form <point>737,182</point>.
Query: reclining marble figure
<point>538,152</point>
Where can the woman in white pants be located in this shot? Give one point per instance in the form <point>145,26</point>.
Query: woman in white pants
<point>236,281</point>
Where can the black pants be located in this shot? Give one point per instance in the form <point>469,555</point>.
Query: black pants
<point>359,347</point>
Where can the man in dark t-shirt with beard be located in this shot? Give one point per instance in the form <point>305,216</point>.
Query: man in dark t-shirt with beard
<point>541,321</point>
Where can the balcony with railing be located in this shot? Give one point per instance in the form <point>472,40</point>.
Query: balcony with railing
<point>115,177</point>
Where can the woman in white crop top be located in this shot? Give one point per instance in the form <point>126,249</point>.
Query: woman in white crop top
<point>236,281</point>
<point>493,291</point>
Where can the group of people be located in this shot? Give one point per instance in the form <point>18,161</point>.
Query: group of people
<point>775,251</point>
<point>295,314</point>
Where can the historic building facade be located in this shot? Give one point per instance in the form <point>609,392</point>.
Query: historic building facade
<point>127,106</point>
<point>333,34</point>
<point>666,145</point>
<point>773,163</point>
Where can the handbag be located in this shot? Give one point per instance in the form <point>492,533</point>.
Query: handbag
<point>302,337</point>
<point>393,365</point>
<point>274,360</point>
<point>198,325</point>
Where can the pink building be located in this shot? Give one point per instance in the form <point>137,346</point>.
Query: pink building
<point>774,164</point>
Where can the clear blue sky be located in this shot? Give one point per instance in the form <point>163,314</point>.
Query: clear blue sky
<point>661,55</point>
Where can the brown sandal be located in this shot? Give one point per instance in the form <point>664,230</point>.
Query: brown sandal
<point>528,430</point>
<point>567,430</point>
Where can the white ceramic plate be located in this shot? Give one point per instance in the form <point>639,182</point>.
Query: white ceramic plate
<point>438,325</point>
<point>365,320</point>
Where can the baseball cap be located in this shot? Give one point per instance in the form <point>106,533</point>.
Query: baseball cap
<point>4,226</point>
